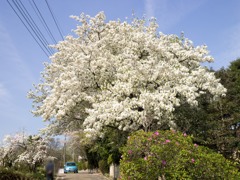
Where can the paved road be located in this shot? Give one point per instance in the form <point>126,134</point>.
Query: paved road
<point>81,176</point>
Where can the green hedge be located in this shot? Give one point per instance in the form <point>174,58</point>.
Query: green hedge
<point>103,166</point>
<point>82,165</point>
<point>10,174</point>
<point>172,155</point>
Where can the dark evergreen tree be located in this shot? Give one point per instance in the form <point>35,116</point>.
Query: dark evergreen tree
<point>216,124</point>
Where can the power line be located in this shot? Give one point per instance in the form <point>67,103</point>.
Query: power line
<point>54,19</point>
<point>39,14</point>
<point>28,28</point>
<point>33,25</point>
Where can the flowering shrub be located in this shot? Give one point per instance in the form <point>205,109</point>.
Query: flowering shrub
<point>21,150</point>
<point>172,155</point>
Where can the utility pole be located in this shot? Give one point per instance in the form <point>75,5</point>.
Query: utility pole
<point>73,155</point>
<point>64,150</point>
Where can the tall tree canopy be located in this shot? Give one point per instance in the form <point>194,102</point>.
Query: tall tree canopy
<point>225,115</point>
<point>120,74</point>
<point>216,124</point>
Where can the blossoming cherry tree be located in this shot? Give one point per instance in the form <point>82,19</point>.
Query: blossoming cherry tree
<point>121,74</point>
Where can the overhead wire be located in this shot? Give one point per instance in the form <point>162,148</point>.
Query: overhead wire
<point>55,20</point>
<point>40,17</point>
<point>15,11</point>
<point>33,26</point>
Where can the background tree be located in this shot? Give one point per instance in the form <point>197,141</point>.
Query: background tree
<point>24,151</point>
<point>227,113</point>
<point>34,152</point>
<point>76,144</point>
<point>12,146</point>
<point>55,150</point>
<point>216,124</point>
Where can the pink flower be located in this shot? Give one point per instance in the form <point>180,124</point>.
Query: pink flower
<point>149,139</point>
<point>195,145</point>
<point>184,134</point>
<point>168,141</point>
<point>128,137</point>
<point>145,158</point>
<point>129,151</point>
<point>193,160</point>
<point>164,162</point>
<point>173,131</point>
<point>156,133</point>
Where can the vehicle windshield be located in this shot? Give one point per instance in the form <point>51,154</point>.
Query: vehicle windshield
<point>71,164</point>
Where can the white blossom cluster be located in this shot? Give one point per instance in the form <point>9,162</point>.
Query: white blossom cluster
<point>120,74</point>
<point>21,148</point>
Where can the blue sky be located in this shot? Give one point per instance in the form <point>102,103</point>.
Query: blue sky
<point>215,23</point>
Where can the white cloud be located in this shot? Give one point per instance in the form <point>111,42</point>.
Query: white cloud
<point>233,42</point>
<point>3,91</point>
<point>15,80</point>
<point>169,13</point>
<point>13,66</point>
<point>149,8</point>
<point>5,101</point>
<point>229,48</point>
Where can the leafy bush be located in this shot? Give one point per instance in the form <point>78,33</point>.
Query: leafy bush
<point>39,174</point>
<point>82,165</point>
<point>10,174</point>
<point>172,155</point>
<point>103,166</point>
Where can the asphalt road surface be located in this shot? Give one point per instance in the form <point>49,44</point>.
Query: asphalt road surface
<point>81,176</point>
